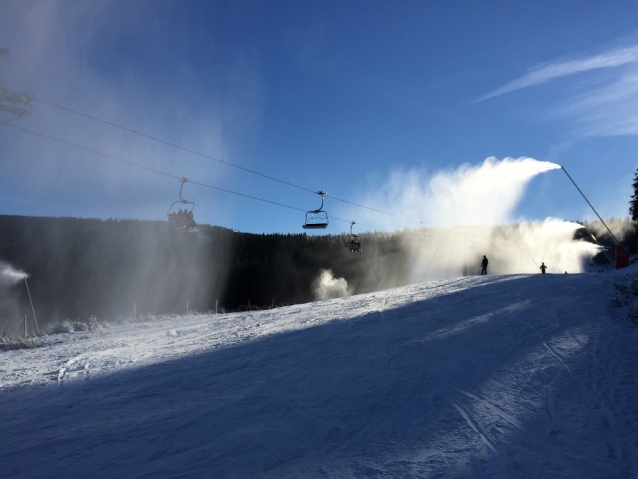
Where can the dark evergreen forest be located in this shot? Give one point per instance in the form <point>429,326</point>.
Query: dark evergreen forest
<point>79,268</point>
<point>83,267</point>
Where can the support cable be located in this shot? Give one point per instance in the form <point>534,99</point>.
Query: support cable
<point>203,155</point>
<point>41,135</point>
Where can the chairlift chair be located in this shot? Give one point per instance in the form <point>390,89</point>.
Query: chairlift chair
<point>15,103</point>
<point>182,219</point>
<point>353,242</point>
<point>317,219</point>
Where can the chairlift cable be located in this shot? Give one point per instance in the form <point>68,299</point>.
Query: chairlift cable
<point>90,150</point>
<point>248,170</point>
<point>137,165</point>
<point>246,196</point>
<point>10,119</point>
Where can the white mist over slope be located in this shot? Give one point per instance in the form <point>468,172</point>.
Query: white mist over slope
<point>326,286</point>
<point>619,228</point>
<point>519,248</point>
<point>465,210</point>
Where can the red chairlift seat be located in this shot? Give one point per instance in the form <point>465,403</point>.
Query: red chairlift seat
<point>353,242</point>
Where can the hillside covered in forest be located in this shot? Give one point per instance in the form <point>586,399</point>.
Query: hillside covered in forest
<point>107,269</point>
<point>84,267</point>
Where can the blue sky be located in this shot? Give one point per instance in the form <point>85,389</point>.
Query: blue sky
<point>322,94</point>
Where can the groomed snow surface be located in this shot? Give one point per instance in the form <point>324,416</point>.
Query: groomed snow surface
<point>493,376</point>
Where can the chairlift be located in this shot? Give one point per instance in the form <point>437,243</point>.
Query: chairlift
<point>353,242</point>
<point>182,219</point>
<point>13,102</point>
<point>418,239</point>
<point>317,219</point>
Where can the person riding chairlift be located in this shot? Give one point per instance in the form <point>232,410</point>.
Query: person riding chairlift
<point>357,247</point>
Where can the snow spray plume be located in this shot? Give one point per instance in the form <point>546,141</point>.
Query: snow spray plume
<point>10,298</point>
<point>135,268</point>
<point>470,195</point>
<point>9,275</point>
<point>462,208</point>
<point>326,286</point>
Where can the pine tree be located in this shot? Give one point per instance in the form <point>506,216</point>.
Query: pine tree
<point>633,204</point>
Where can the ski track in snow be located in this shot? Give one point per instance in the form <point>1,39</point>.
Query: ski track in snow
<point>493,376</point>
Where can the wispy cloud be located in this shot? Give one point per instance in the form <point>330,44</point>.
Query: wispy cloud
<point>551,71</point>
<point>605,111</point>
<point>602,101</point>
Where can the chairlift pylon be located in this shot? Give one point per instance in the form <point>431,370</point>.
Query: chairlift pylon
<point>353,242</point>
<point>419,237</point>
<point>317,219</point>
<point>182,219</point>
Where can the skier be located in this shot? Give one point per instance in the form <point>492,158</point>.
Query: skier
<point>543,268</point>
<point>484,265</point>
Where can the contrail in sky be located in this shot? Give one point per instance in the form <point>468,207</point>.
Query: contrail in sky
<point>554,70</point>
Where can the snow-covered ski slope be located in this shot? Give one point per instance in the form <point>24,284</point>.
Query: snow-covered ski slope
<point>493,376</point>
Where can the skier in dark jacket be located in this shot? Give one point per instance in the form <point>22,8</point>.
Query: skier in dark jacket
<point>484,265</point>
<point>543,268</point>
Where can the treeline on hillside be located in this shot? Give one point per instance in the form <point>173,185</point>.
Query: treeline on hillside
<point>83,267</point>
<point>281,269</point>
<point>89,267</point>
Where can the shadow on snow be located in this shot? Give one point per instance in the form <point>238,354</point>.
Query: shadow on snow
<point>373,395</point>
